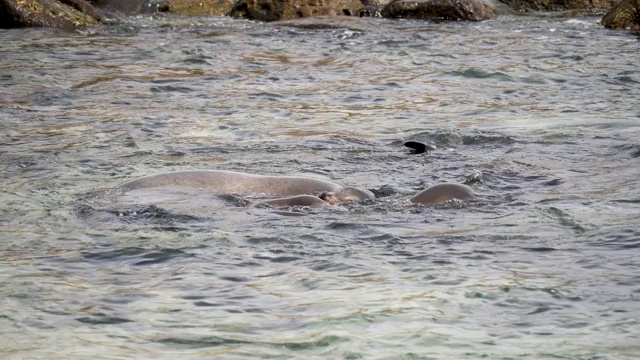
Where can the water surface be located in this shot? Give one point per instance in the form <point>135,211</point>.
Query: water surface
<point>543,265</point>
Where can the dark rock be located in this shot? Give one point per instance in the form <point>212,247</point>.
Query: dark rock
<point>372,11</point>
<point>197,7</point>
<point>124,7</point>
<point>625,15</point>
<point>558,5</point>
<point>378,3</point>
<point>374,7</point>
<point>274,10</point>
<point>67,14</point>
<point>84,7</point>
<point>471,10</point>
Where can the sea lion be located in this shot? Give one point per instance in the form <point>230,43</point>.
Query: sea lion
<point>288,190</point>
<point>291,190</point>
<point>298,200</point>
<point>441,193</point>
<point>346,194</point>
<point>343,195</point>
<point>232,182</point>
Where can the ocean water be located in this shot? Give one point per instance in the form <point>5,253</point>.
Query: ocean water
<point>542,265</point>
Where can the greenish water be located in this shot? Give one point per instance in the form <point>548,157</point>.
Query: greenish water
<point>542,266</point>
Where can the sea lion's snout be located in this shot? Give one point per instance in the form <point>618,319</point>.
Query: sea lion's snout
<point>328,197</point>
<point>346,194</point>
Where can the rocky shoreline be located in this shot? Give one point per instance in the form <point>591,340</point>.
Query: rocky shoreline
<point>72,14</point>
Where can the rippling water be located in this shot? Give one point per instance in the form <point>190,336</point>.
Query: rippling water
<point>543,265</point>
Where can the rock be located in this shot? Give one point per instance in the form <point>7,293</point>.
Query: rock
<point>329,22</point>
<point>577,13</point>
<point>625,15</point>
<point>374,7</point>
<point>274,10</point>
<point>124,7</point>
<point>84,7</point>
<point>471,10</point>
<point>197,7</point>
<point>67,14</point>
<point>378,3</point>
<point>558,5</point>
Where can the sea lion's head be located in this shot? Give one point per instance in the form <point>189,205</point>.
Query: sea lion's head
<point>346,194</point>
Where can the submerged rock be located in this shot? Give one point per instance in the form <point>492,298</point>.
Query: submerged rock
<point>197,7</point>
<point>275,10</point>
<point>558,5</point>
<point>67,14</point>
<point>469,10</point>
<point>625,15</point>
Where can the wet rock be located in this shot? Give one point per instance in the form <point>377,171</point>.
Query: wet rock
<point>329,22</point>
<point>275,10</point>
<point>374,7</point>
<point>378,3</point>
<point>84,7</point>
<point>577,13</point>
<point>197,7</point>
<point>124,7</point>
<point>67,14</point>
<point>625,15</point>
<point>372,11</point>
<point>469,10</point>
<point>558,5</point>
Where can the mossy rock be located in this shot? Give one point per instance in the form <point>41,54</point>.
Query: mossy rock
<point>625,15</point>
<point>52,13</point>
<point>278,10</point>
<point>558,5</point>
<point>458,10</point>
<point>197,7</point>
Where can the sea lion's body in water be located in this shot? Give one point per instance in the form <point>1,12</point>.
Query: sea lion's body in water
<point>441,193</point>
<point>297,200</point>
<point>343,195</point>
<point>287,190</point>
<point>231,182</point>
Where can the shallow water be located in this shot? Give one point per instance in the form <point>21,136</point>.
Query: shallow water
<point>542,265</point>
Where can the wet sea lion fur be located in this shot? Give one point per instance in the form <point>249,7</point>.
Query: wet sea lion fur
<point>343,195</point>
<point>230,182</point>
<point>290,190</point>
<point>297,200</point>
<point>346,194</point>
<point>287,190</point>
<point>442,193</point>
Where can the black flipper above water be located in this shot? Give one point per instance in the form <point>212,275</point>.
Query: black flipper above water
<point>418,147</point>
